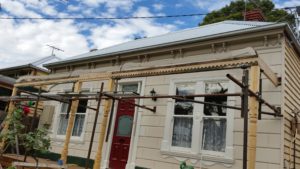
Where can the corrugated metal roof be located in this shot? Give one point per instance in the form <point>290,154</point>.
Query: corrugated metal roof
<point>38,63</point>
<point>7,80</point>
<point>173,37</point>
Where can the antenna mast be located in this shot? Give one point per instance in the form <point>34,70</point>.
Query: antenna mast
<point>296,28</point>
<point>54,48</point>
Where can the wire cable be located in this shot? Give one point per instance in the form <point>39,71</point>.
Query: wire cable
<point>102,18</point>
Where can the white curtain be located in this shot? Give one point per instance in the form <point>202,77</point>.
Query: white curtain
<point>214,134</point>
<point>182,132</point>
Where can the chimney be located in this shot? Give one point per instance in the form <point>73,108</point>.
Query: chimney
<point>254,15</point>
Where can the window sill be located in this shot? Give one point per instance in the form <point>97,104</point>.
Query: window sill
<point>205,157</point>
<point>75,140</point>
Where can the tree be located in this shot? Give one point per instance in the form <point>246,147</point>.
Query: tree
<point>234,11</point>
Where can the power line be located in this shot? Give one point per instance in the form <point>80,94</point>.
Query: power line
<point>102,18</point>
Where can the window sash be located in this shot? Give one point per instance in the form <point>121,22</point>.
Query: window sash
<point>200,87</point>
<point>183,132</point>
<point>77,129</point>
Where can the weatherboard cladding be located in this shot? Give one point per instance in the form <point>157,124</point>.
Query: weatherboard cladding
<point>169,38</point>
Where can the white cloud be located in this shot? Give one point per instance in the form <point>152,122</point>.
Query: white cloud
<point>111,5</point>
<point>210,5</point>
<point>158,7</point>
<point>73,8</point>
<point>24,40</point>
<point>286,3</point>
<point>17,8</point>
<point>108,35</point>
<point>178,5</point>
<point>28,40</point>
<point>179,22</point>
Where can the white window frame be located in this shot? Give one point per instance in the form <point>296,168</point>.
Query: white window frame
<point>196,145</point>
<point>74,139</point>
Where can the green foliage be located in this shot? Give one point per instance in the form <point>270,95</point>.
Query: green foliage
<point>33,142</point>
<point>37,141</point>
<point>11,167</point>
<point>234,11</point>
<point>15,128</point>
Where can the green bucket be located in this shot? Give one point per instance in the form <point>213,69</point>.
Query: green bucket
<point>184,166</point>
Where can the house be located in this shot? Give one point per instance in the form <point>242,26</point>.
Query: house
<point>10,73</point>
<point>188,62</point>
<point>31,67</point>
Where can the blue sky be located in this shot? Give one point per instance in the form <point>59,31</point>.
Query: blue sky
<point>23,40</point>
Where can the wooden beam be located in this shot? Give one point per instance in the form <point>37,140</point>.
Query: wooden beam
<point>11,109</point>
<point>231,63</point>
<point>6,86</point>
<point>253,116</point>
<point>74,106</point>
<point>268,72</point>
<point>107,106</point>
<point>53,79</point>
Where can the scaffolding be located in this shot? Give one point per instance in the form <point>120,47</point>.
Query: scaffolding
<point>251,99</point>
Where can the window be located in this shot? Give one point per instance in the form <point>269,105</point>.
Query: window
<point>214,118</point>
<point>79,119</point>
<point>183,117</point>
<point>199,129</point>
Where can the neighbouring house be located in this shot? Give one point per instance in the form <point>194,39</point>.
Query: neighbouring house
<point>6,85</point>
<point>10,73</point>
<point>188,62</point>
<point>31,67</point>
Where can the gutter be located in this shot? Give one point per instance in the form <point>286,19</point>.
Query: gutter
<point>233,33</point>
<point>292,36</point>
<point>23,67</point>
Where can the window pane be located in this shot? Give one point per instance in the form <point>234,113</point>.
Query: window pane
<point>214,134</point>
<point>81,109</point>
<point>182,132</point>
<point>183,107</point>
<point>63,123</point>
<point>78,124</point>
<point>215,88</point>
<point>130,87</point>
<point>64,107</point>
<point>185,89</point>
<point>124,126</point>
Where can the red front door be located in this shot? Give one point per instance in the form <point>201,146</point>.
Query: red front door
<point>122,134</point>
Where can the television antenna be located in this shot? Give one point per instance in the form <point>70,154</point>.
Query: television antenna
<point>53,49</point>
<point>296,27</point>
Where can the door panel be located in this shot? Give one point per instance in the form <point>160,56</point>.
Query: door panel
<point>122,135</point>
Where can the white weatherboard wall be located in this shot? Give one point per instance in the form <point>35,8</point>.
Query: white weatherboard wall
<point>151,129</point>
<point>268,134</point>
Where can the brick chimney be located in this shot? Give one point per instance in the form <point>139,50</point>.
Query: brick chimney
<point>254,15</point>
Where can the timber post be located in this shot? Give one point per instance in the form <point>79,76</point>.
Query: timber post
<point>74,106</point>
<point>253,115</point>
<point>107,106</point>
<point>11,108</point>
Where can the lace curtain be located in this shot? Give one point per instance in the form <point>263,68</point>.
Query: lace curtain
<point>182,132</point>
<point>214,134</point>
<point>214,120</point>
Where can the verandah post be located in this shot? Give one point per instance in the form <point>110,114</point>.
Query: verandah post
<point>253,115</point>
<point>11,108</point>
<point>107,106</point>
<point>74,106</point>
